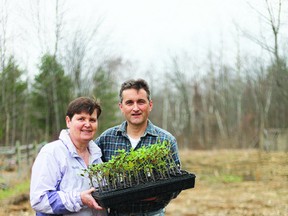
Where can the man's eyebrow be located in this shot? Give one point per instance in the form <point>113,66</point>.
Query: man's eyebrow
<point>126,101</point>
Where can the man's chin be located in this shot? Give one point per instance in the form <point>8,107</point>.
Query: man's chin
<point>137,122</point>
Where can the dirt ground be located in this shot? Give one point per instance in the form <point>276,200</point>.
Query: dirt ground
<point>228,182</point>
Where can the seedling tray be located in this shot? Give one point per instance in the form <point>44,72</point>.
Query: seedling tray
<point>145,190</point>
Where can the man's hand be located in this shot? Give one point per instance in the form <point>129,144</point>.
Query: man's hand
<point>88,200</point>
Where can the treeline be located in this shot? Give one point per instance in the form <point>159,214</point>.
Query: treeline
<point>227,108</point>
<point>230,105</point>
<point>36,111</point>
<point>223,109</point>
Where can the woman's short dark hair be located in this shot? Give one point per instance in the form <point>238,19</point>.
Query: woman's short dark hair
<point>83,104</point>
<point>135,84</point>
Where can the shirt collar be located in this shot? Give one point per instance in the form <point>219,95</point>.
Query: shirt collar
<point>95,151</point>
<point>149,129</point>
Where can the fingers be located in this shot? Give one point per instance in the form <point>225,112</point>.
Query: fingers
<point>88,200</point>
<point>96,205</point>
<point>91,190</point>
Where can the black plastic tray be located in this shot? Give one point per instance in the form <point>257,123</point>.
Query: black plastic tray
<point>144,191</point>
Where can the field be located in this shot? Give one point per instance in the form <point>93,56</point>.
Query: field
<point>228,182</point>
<point>234,183</point>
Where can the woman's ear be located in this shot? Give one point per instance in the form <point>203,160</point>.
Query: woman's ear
<point>68,121</point>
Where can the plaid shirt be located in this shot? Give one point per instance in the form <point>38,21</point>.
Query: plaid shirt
<point>116,138</point>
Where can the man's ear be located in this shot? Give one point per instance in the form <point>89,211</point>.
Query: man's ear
<point>151,104</point>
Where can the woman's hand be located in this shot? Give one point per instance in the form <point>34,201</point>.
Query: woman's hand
<point>88,200</point>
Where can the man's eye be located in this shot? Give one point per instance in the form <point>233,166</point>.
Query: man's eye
<point>129,103</point>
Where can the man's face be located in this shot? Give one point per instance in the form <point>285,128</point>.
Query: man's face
<point>135,106</point>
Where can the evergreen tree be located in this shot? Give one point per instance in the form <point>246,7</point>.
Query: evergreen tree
<point>50,96</point>
<point>13,99</point>
<point>105,90</point>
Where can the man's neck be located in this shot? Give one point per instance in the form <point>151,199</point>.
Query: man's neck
<point>136,131</point>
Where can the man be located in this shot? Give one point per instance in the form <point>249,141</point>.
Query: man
<point>137,131</point>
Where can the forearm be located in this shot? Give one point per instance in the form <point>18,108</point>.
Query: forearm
<point>56,202</point>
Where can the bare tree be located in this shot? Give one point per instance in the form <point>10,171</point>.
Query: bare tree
<point>76,57</point>
<point>58,26</point>
<point>3,40</point>
<point>39,18</point>
<point>272,17</point>
<point>183,109</point>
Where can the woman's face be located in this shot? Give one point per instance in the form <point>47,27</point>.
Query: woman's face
<point>82,127</point>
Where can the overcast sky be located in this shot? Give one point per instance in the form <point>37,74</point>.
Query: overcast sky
<point>152,31</point>
<point>148,32</point>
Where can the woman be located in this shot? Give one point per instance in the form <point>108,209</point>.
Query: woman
<point>57,186</point>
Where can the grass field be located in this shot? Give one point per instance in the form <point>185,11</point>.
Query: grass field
<point>233,182</point>
<point>228,182</point>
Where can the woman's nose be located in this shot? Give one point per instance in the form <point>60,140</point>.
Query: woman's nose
<point>87,123</point>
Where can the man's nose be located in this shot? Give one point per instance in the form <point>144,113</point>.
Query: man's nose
<point>135,106</point>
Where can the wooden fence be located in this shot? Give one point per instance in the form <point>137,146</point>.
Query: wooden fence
<point>276,139</point>
<point>18,155</point>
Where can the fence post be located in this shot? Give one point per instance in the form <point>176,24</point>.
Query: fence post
<point>27,154</point>
<point>35,150</point>
<point>18,152</point>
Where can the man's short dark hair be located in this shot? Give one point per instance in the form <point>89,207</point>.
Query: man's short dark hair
<point>134,84</point>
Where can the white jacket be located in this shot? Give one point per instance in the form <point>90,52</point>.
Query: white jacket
<point>56,180</point>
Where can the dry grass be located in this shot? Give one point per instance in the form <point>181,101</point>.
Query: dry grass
<point>234,183</point>
<point>229,182</point>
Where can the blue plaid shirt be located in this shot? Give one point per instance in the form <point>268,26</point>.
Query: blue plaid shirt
<point>116,138</point>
